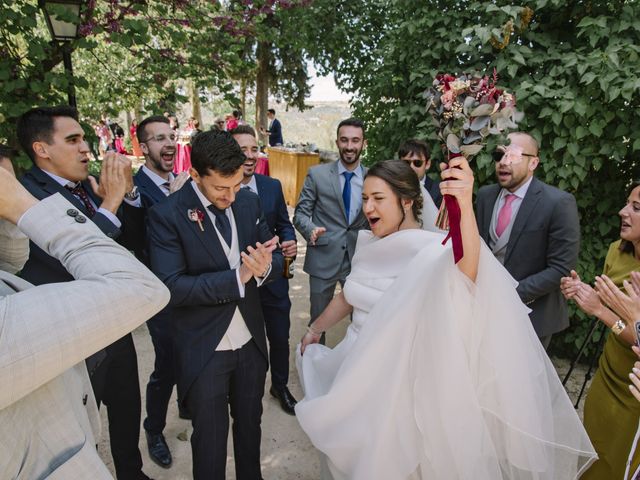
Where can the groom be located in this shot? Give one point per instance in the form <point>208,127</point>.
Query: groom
<point>210,244</point>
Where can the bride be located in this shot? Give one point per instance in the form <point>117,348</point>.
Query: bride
<point>440,375</point>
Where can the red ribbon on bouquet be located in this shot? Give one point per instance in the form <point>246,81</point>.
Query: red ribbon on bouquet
<point>449,219</point>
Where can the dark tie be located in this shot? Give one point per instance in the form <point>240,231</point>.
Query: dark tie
<point>222,223</point>
<point>81,193</point>
<point>346,192</point>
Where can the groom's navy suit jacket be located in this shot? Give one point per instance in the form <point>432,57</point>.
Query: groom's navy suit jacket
<point>277,217</point>
<point>204,290</point>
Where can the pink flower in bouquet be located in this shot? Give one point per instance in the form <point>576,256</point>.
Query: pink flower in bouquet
<point>448,98</point>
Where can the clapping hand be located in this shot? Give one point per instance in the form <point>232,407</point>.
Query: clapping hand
<point>627,306</point>
<point>569,285</point>
<point>179,181</point>
<point>315,234</point>
<point>115,180</point>
<point>256,261</point>
<point>588,299</point>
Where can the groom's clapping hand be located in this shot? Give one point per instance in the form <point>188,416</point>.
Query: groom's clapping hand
<point>256,261</point>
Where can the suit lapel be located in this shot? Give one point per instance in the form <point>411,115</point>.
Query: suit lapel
<point>188,200</point>
<point>526,209</point>
<point>153,190</point>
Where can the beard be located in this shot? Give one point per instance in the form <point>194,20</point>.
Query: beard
<point>355,156</point>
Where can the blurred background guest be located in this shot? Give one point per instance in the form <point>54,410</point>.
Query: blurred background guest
<point>218,124</point>
<point>135,143</point>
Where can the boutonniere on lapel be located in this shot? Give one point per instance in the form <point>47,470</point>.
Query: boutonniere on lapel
<point>196,215</point>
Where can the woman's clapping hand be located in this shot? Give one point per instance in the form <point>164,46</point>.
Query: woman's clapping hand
<point>627,306</point>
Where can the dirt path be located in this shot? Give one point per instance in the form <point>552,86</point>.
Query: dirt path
<point>287,453</point>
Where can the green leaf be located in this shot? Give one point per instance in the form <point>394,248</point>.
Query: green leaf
<point>581,132</point>
<point>558,143</point>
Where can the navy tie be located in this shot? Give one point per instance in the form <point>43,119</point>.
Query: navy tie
<point>222,223</point>
<point>346,192</point>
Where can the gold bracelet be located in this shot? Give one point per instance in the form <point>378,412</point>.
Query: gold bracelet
<point>618,327</point>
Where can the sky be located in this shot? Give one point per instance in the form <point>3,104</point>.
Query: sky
<point>324,89</point>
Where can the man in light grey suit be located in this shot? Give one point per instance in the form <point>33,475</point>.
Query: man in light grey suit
<point>329,215</point>
<point>48,414</point>
<point>533,230</point>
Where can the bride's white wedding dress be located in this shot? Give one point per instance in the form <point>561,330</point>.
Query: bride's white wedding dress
<point>437,377</point>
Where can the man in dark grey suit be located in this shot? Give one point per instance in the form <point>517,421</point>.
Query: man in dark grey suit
<point>329,215</point>
<point>533,229</point>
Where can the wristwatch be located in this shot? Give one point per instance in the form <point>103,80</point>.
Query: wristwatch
<point>133,194</point>
<point>618,327</point>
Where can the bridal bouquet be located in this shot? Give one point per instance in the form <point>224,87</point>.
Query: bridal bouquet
<point>466,110</point>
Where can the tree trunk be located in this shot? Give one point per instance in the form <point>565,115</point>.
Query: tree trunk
<point>262,88</point>
<point>196,111</point>
<point>243,97</point>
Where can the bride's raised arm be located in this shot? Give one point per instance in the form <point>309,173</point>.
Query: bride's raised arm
<point>337,309</point>
<point>457,180</point>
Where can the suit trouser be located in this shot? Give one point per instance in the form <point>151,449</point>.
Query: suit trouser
<point>276,312</point>
<point>163,377</point>
<point>322,290</point>
<point>115,383</point>
<point>233,379</point>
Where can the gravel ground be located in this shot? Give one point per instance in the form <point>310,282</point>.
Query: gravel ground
<point>287,453</point>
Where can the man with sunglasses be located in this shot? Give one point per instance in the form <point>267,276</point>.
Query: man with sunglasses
<point>155,181</point>
<point>416,153</point>
<point>533,230</point>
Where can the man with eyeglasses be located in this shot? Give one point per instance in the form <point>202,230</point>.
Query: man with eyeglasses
<point>155,181</point>
<point>533,230</point>
<point>416,153</point>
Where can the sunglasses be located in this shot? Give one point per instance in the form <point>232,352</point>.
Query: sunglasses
<point>415,163</point>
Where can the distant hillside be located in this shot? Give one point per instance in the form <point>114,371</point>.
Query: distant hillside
<point>316,125</point>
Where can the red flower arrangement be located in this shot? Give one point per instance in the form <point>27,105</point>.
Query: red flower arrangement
<point>196,215</point>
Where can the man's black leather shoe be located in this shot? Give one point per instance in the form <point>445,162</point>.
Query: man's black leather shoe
<point>287,402</point>
<point>159,450</point>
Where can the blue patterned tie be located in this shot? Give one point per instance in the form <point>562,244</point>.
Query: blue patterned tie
<point>222,223</point>
<point>346,192</point>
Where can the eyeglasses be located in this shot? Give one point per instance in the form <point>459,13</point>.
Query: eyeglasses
<point>163,138</point>
<point>415,163</point>
<point>220,123</point>
<point>512,155</point>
